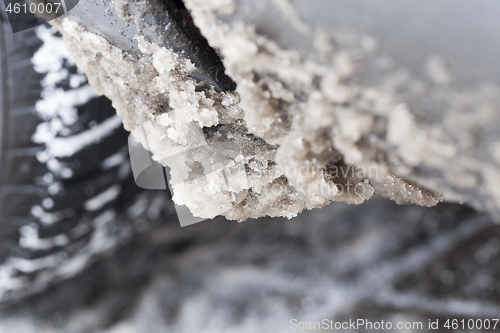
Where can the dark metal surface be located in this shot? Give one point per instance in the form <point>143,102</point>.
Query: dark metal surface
<point>166,23</point>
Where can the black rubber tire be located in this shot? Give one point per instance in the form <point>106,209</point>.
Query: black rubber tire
<point>63,248</point>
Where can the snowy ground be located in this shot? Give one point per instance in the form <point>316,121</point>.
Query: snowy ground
<point>377,261</point>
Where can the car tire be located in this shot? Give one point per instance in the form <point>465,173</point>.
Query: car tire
<point>58,210</point>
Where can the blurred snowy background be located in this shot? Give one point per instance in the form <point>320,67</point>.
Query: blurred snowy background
<point>377,261</point>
